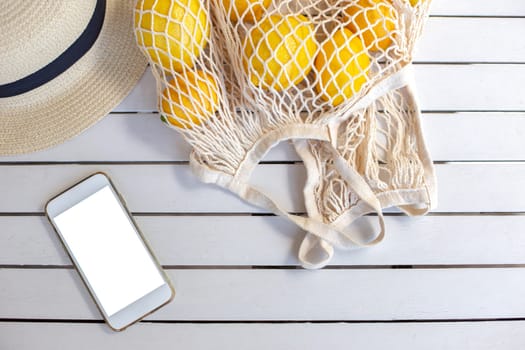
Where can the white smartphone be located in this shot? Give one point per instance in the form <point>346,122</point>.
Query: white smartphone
<point>109,252</point>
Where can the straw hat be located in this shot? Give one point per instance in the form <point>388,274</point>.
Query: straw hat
<point>63,66</point>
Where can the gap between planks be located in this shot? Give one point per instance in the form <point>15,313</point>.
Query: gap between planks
<point>184,162</point>
<point>290,267</point>
<point>233,322</point>
<point>211,214</point>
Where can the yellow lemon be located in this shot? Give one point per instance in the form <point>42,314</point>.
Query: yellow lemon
<point>279,51</point>
<point>190,99</point>
<point>375,21</point>
<point>172,33</point>
<point>246,10</point>
<point>342,66</point>
<point>413,3</point>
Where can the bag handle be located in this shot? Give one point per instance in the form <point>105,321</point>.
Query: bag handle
<point>344,239</point>
<point>315,252</point>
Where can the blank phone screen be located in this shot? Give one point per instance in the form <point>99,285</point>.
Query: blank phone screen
<point>109,251</point>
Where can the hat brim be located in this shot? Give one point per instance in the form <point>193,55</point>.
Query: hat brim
<point>82,95</point>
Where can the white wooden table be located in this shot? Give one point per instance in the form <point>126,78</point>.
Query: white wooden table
<point>454,279</point>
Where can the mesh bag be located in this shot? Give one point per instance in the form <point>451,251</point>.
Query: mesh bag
<point>384,147</point>
<point>236,77</point>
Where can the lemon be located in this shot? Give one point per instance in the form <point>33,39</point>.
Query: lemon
<point>375,21</point>
<point>342,65</point>
<point>190,99</point>
<point>413,3</point>
<point>246,10</point>
<point>172,33</point>
<point>279,51</point>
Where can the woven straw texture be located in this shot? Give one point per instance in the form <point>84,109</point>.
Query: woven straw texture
<point>77,98</point>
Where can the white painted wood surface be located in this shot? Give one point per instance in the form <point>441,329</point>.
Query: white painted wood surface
<point>141,138</point>
<point>463,187</point>
<point>235,270</point>
<point>210,240</point>
<point>477,8</point>
<point>472,40</point>
<point>287,295</point>
<point>307,336</point>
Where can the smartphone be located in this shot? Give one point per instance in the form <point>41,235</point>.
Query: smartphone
<point>109,252</point>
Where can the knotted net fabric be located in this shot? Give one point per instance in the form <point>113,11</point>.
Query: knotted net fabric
<point>383,145</point>
<point>237,77</point>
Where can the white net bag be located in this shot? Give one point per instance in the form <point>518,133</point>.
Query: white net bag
<point>236,77</point>
<point>383,145</point>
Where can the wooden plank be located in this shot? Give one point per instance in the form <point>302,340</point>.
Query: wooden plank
<point>363,294</point>
<point>143,138</point>
<point>471,87</point>
<point>475,136</point>
<point>118,137</point>
<point>128,138</point>
<point>467,188</point>
<point>147,188</point>
<point>143,97</point>
<point>441,87</point>
<point>477,8</point>
<point>478,187</point>
<point>371,336</point>
<point>273,241</point>
<point>448,39</point>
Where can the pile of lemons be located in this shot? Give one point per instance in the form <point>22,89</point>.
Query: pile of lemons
<point>174,34</point>
<point>279,51</point>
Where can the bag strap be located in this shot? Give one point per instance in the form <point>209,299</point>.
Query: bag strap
<point>314,252</point>
<point>424,154</point>
<point>344,239</point>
